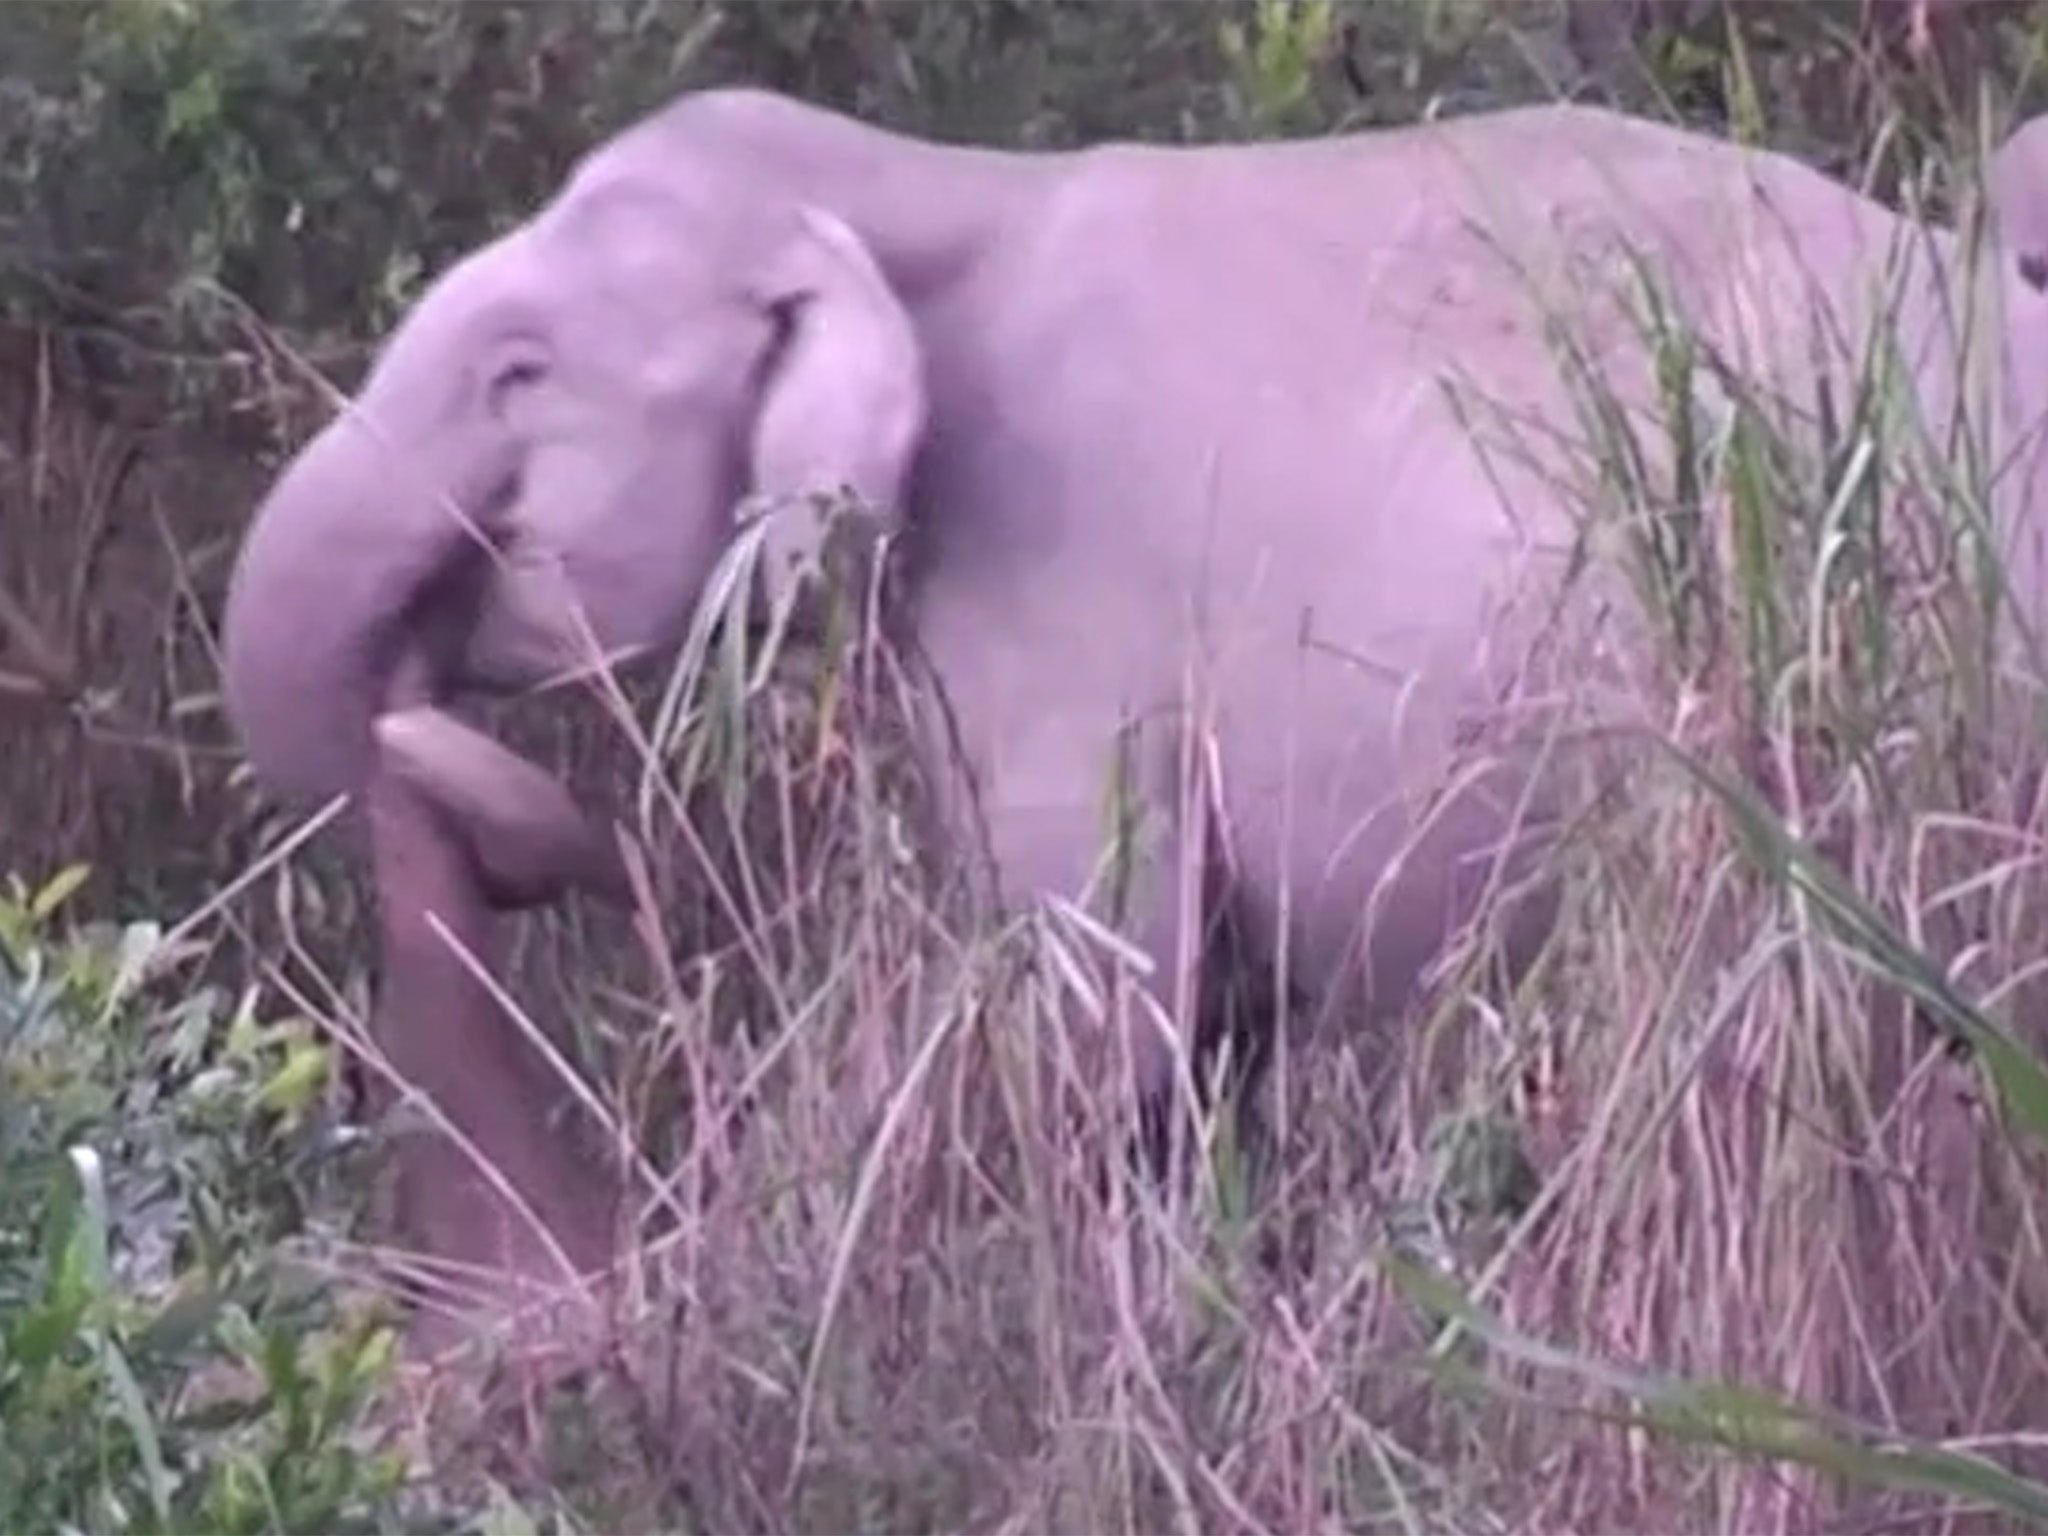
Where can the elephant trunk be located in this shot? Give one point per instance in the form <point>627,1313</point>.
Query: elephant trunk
<point>367,543</point>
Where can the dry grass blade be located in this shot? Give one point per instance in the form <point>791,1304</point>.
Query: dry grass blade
<point>1735,1418</point>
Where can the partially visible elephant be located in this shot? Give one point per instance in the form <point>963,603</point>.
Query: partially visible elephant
<point>490,1192</point>
<point>1158,429</point>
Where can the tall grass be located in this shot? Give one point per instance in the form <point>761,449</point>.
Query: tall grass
<point>1810,888</point>
<point>1714,1226</point>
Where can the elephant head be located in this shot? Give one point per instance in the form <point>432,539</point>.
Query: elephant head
<point>548,452</point>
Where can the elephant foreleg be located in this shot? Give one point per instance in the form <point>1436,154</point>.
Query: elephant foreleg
<point>1136,974</point>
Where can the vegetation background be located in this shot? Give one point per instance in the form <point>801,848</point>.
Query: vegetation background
<point>209,206</point>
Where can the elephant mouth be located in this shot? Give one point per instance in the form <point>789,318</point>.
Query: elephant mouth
<point>432,632</point>
<point>501,614</point>
<point>525,624</point>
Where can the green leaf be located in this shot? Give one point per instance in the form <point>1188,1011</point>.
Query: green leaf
<point>296,1083</point>
<point>57,890</point>
<point>2015,1074</point>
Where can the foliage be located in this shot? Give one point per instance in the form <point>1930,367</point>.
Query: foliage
<point>168,1362</point>
<point>168,167</point>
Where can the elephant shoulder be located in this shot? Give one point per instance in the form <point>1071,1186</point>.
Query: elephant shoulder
<point>1070,269</point>
<point>1092,228</point>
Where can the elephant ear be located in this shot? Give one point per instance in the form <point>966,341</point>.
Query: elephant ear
<point>2018,191</point>
<point>528,843</point>
<point>2019,202</point>
<point>843,404</point>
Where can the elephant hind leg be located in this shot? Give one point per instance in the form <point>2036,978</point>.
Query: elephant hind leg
<point>1243,1008</point>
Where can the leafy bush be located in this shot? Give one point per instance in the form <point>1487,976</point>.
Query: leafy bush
<point>172,1357</point>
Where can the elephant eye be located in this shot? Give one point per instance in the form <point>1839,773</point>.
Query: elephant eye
<point>513,378</point>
